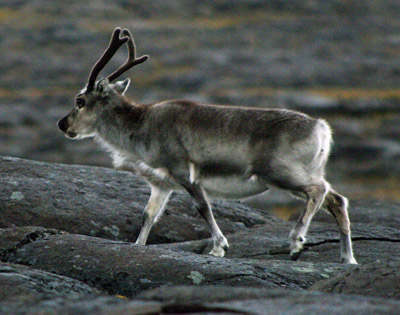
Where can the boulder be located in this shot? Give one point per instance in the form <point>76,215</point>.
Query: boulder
<point>229,300</point>
<point>108,203</point>
<point>381,279</point>
<point>128,269</point>
<point>77,305</point>
<point>25,290</point>
<point>211,300</point>
<point>72,205</point>
<point>17,281</point>
<point>371,242</point>
<point>104,203</point>
<point>13,238</point>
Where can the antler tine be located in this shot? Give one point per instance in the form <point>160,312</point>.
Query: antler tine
<point>131,61</point>
<point>131,43</point>
<point>115,43</point>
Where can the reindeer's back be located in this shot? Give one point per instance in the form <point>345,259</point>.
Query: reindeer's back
<point>232,122</point>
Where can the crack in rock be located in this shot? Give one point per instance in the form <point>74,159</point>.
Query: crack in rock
<point>199,308</point>
<point>284,251</point>
<point>5,254</point>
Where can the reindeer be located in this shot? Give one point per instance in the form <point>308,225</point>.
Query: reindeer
<point>221,151</point>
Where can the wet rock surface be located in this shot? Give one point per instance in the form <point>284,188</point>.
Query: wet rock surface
<point>54,267</point>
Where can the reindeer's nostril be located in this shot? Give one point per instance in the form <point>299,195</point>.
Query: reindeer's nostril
<point>71,134</point>
<point>62,124</point>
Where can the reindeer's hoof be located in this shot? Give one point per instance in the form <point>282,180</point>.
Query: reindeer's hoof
<point>295,255</point>
<point>220,247</point>
<point>296,246</point>
<point>218,252</point>
<point>350,260</point>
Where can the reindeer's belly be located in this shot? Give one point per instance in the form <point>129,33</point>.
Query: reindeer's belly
<point>217,185</point>
<point>233,187</point>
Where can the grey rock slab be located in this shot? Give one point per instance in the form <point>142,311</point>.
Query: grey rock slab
<point>24,290</point>
<point>103,202</point>
<point>128,269</point>
<point>315,304</point>
<point>371,242</point>
<point>17,280</point>
<point>230,300</point>
<point>13,238</point>
<point>380,279</point>
<point>80,304</point>
<point>211,300</point>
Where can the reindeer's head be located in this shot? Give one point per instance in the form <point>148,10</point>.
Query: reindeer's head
<point>81,121</point>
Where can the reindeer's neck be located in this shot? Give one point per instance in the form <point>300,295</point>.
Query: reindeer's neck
<point>120,125</point>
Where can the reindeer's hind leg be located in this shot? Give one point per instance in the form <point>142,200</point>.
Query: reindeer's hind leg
<point>203,206</point>
<point>315,194</point>
<point>158,199</point>
<point>337,206</point>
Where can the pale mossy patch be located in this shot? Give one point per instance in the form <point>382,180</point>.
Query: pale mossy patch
<point>144,281</point>
<point>196,276</point>
<point>114,230</point>
<point>304,269</point>
<point>17,195</point>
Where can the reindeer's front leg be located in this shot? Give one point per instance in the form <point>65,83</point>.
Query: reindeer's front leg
<point>158,199</point>
<point>203,206</point>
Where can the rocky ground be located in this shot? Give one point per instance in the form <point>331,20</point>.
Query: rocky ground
<point>67,232</point>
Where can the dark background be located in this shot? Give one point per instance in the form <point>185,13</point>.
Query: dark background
<point>339,60</point>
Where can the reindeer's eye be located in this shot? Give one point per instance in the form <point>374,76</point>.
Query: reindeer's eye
<point>80,102</point>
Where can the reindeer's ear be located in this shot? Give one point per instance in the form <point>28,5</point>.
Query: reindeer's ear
<point>121,86</point>
<point>103,86</point>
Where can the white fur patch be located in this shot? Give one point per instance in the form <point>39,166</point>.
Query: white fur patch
<point>83,91</point>
<point>192,173</point>
<point>253,178</point>
<point>160,173</point>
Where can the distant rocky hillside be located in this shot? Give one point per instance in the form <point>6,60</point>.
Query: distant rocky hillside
<point>334,59</point>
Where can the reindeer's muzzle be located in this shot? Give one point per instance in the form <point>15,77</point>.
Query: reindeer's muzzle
<point>63,126</point>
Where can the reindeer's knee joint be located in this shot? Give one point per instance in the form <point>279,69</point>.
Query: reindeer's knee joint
<point>317,191</point>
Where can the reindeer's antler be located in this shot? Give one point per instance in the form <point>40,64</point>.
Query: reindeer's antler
<point>131,61</point>
<point>115,43</point>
